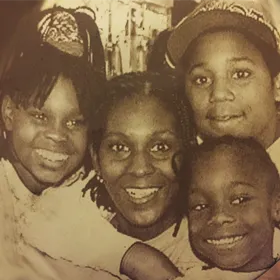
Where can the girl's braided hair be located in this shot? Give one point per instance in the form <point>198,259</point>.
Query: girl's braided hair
<point>167,88</point>
<point>36,58</point>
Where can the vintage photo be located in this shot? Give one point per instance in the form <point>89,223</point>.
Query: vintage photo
<point>140,140</point>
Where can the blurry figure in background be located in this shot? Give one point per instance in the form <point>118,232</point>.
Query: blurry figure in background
<point>117,68</point>
<point>136,24</point>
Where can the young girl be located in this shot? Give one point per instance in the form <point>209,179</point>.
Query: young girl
<point>50,90</point>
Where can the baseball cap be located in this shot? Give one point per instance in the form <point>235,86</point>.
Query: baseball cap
<point>251,16</point>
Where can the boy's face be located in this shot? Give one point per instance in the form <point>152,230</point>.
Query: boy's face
<point>230,88</point>
<point>50,142</point>
<point>230,212</point>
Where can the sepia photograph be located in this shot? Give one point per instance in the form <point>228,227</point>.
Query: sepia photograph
<point>140,140</point>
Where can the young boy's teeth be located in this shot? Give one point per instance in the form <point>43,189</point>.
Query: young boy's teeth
<point>139,193</point>
<point>52,156</point>
<point>225,241</point>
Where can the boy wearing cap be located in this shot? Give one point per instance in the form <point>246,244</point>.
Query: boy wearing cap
<point>228,51</point>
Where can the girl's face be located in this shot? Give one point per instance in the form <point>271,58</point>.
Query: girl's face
<point>48,143</point>
<point>135,159</point>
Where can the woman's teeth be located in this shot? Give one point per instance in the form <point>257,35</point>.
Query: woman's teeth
<point>52,156</point>
<point>225,241</point>
<point>141,193</point>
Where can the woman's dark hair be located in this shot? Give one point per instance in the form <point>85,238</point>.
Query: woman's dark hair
<point>167,88</point>
<point>33,66</point>
<point>269,54</point>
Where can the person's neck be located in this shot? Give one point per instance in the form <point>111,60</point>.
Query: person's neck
<point>144,233</point>
<point>28,180</point>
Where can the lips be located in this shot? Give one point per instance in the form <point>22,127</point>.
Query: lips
<point>225,241</point>
<point>142,195</point>
<point>52,157</point>
<point>224,118</point>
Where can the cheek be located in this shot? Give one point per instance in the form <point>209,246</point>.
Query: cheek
<point>198,100</point>
<point>197,224</point>
<point>24,133</point>
<point>165,168</point>
<point>112,170</point>
<point>80,141</point>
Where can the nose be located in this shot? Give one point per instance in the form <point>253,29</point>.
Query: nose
<point>220,216</point>
<point>141,165</point>
<point>56,132</point>
<point>221,90</point>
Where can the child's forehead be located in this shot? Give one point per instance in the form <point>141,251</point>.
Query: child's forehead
<point>229,166</point>
<point>226,160</point>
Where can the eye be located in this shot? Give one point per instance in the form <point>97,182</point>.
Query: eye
<point>120,148</point>
<point>241,74</point>
<point>71,124</point>
<point>160,147</point>
<point>39,116</point>
<point>239,200</point>
<point>202,81</point>
<point>199,207</point>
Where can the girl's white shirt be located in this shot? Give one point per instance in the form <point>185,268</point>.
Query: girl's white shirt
<point>60,229</point>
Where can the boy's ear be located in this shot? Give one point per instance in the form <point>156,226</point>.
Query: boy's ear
<point>7,110</point>
<point>277,88</point>
<point>276,208</point>
<point>94,158</point>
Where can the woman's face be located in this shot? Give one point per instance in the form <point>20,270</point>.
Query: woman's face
<point>49,143</point>
<point>135,159</point>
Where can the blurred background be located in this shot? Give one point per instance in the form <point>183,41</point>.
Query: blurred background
<point>128,27</point>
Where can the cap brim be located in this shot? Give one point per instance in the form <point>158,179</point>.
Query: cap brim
<point>190,28</point>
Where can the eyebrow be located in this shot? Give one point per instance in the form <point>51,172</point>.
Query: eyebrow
<point>242,58</point>
<point>235,184</point>
<point>196,66</point>
<point>234,59</point>
<point>157,133</point>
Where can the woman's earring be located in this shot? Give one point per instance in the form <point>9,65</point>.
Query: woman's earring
<point>4,134</point>
<point>99,179</point>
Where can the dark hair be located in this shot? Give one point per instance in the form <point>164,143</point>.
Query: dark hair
<point>269,54</point>
<point>156,57</point>
<point>167,89</point>
<point>33,66</point>
<point>244,148</point>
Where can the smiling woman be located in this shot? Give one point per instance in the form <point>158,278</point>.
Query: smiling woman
<point>145,127</point>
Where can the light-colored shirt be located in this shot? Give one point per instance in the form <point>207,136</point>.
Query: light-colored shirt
<point>61,224</point>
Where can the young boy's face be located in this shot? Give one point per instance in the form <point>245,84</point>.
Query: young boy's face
<point>49,142</point>
<point>230,88</point>
<point>229,210</point>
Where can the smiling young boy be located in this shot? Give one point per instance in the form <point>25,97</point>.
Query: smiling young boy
<point>233,204</point>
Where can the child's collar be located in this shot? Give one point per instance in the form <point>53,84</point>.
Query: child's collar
<point>80,174</point>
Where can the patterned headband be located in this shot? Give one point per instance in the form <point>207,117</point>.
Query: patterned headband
<point>59,28</point>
